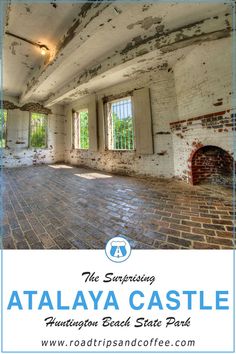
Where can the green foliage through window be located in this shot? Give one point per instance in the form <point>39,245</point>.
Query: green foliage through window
<point>122,130</point>
<point>83,134</point>
<point>38,130</point>
<point>3,128</point>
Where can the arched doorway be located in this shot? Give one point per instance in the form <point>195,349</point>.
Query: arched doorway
<point>212,164</point>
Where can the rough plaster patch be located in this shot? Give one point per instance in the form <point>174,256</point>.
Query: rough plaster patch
<point>31,107</point>
<point>146,23</point>
<point>35,107</point>
<point>9,105</point>
<point>28,9</point>
<point>54,4</point>
<point>12,47</point>
<point>117,10</point>
<point>162,133</point>
<point>146,7</point>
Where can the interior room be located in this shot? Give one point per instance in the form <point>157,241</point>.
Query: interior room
<point>117,119</point>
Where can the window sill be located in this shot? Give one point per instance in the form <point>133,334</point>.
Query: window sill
<point>120,150</point>
<point>38,148</point>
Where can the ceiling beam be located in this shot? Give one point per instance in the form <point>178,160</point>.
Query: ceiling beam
<point>88,22</point>
<point>144,46</point>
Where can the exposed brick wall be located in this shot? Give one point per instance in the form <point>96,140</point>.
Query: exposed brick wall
<point>203,82</point>
<point>199,82</point>
<point>189,135</point>
<point>35,107</point>
<point>163,107</point>
<point>204,79</point>
<point>9,105</point>
<point>30,107</point>
<point>18,152</point>
<point>219,121</point>
<point>210,163</point>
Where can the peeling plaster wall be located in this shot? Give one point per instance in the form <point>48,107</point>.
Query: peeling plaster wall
<point>17,152</point>
<point>184,103</point>
<point>189,135</point>
<point>203,79</point>
<point>163,106</point>
<point>203,87</point>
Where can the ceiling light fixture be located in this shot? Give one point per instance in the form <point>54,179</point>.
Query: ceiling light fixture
<point>43,48</point>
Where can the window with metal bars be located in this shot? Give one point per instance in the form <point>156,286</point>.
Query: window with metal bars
<point>120,124</point>
<point>81,132</point>
<point>38,130</point>
<point>3,129</point>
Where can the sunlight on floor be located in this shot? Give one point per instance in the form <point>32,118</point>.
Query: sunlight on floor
<point>59,166</point>
<point>92,175</point>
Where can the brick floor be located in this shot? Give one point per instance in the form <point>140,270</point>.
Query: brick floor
<point>60,207</point>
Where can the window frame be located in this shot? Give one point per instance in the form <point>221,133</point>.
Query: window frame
<point>30,131</point>
<point>107,110</point>
<point>77,112</point>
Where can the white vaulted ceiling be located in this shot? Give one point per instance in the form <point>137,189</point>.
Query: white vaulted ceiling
<point>97,44</point>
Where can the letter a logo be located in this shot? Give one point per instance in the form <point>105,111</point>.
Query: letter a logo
<point>118,249</point>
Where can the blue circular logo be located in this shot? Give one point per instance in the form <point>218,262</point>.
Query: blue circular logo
<point>118,249</point>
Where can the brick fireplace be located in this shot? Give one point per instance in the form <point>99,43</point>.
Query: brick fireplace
<point>203,148</point>
<point>211,164</point>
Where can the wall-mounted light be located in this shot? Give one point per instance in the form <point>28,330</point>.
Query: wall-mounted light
<point>43,48</point>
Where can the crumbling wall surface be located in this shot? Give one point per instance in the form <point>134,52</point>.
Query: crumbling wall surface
<point>18,152</point>
<point>189,135</point>
<point>163,107</point>
<point>203,90</point>
<point>203,79</point>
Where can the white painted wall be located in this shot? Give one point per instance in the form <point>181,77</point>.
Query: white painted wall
<point>199,84</point>
<point>18,153</point>
<point>186,142</point>
<point>202,79</point>
<point>163,106</point>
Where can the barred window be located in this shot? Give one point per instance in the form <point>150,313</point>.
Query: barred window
<point>38,130</point>
<point>81,132</point>
<point>3,129</point>
<point>120,125</point>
